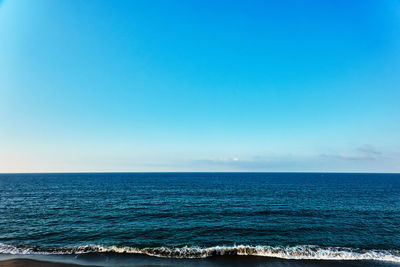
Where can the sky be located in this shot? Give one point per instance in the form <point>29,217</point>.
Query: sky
<point>119,86</point>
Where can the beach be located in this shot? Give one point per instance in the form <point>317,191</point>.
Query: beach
<point>33,263</point>
<point>215,262</point>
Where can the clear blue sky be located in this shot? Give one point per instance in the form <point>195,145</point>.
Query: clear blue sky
<point>199,86</point>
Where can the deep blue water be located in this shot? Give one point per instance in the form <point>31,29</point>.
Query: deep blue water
<point>294,215</point>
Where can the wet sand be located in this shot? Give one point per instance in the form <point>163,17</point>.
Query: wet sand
<point>34,263</point>
<point>218,261</point>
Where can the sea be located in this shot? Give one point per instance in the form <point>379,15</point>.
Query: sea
<point>202,219</point>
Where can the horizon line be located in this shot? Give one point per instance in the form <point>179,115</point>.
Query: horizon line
<point>137,172</point>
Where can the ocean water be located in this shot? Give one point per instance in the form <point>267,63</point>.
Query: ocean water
<point>210,219</point>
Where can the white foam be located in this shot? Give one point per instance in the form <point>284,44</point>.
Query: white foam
<point>301,252</point>
<point>8,249</point>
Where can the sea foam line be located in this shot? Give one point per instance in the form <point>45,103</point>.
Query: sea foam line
<point>300,252</point>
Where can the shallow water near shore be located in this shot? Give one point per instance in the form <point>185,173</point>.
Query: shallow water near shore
<point>204,219</point>
<point>120,260</point>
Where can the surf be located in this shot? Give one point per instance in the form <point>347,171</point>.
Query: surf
<point>300,252</point>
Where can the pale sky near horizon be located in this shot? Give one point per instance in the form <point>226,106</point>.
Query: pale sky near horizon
<point>199,86</point>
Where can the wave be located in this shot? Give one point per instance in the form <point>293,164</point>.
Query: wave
<point>301,252</point>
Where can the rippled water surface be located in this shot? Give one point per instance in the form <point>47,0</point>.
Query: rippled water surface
<point>201,214</point>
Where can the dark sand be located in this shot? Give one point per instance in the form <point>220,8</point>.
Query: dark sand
<point>34,263</point>
<point>218,261</point>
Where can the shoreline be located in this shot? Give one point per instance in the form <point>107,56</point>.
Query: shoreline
<point>143,260</point>
<point>35,263</point>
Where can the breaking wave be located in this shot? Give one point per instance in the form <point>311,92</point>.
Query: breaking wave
<point>301,252</point>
